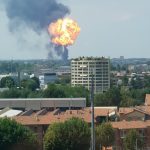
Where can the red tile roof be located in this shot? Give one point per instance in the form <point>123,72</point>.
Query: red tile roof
<point>50,118</point>
<point>125,110</point>
<point>143,109</point>
<point>129,124</point>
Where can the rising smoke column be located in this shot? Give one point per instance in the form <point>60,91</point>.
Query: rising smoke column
<point>35,14</point>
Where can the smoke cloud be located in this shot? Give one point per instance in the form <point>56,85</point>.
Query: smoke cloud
<point>60,51</point>
<point>36,15</point>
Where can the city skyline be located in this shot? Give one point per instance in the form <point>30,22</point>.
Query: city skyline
<point>109,29</point>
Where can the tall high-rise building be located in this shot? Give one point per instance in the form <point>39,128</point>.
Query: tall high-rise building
<point>82,69</point>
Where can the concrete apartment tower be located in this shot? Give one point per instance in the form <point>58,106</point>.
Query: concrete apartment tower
<point>82,69</point>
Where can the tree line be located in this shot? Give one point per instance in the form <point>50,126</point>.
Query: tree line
<point>115,96</point>
<point>30,88</point>
<point>121,97</point>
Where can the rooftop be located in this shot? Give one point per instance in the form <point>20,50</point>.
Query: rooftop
<point>59,115</point>
<point>127,110</point>
<point>40,103</point>
<point>89,58</point>
<point>130,124</point>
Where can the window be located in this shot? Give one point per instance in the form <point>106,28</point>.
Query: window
<point>35,129</point>
<point>122,133</point>
<point>142,132</point>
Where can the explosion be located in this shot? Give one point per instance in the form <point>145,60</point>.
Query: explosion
<point>64,31</point>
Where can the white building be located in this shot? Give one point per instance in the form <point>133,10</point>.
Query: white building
<point>47,78</point>
<point>82,69</point>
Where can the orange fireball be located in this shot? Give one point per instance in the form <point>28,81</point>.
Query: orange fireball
<point>64,31</point>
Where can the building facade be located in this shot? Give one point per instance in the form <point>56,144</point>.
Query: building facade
<point>47,78</point>
<point>82,69</point>
<point>42,103</point>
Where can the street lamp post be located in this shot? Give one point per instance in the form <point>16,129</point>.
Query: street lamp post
<point>136,144</point>
<point>92,114</point>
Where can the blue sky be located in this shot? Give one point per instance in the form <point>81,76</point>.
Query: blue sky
<point>108,28</point>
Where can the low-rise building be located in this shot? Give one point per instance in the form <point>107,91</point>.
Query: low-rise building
<point>122,119</point>
<point>47,78</point>
<point>37,104</point>
<point>135,113</point>
<point>39,121</point>
<point>123,127</point>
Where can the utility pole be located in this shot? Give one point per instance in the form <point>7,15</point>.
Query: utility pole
<point>92,113</point>
<point>19,82</point>
<point>136,144</point>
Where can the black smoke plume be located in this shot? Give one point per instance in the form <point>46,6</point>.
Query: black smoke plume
<point>36,14</point>
<point>61,51</point>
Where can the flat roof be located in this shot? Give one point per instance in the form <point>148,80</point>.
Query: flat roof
<point>39,103</point>
<point>39,99</point>
<point>11,113</point>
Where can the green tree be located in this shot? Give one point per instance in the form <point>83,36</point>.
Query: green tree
<point>35,94</point>
<point>54,91</point>
<point>126,98</point>
<point>114,95</point>
<point>110,98</point>
<point>13,133</point>
<point>132,140</point>
<point>127,102</point>
<point>11,93</point>
<point>139,95</point>
<point>104,135</point>
<point>62,91</point>
<point>125,80</point>
<point>30,84</point>
<point>24,93</point>
<point>37,81</point>
<point>137,83</point>
<point>73,134</point>
<point>63,80</point>
<point>101,100</point>
<point>7,82</point>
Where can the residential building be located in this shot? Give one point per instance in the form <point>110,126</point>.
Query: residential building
<point>83,68</point>
<point>123,127</point>
<point>40,120</point>
<point>47,78</point>
<point>135,113</point>
<point>38,114</point>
